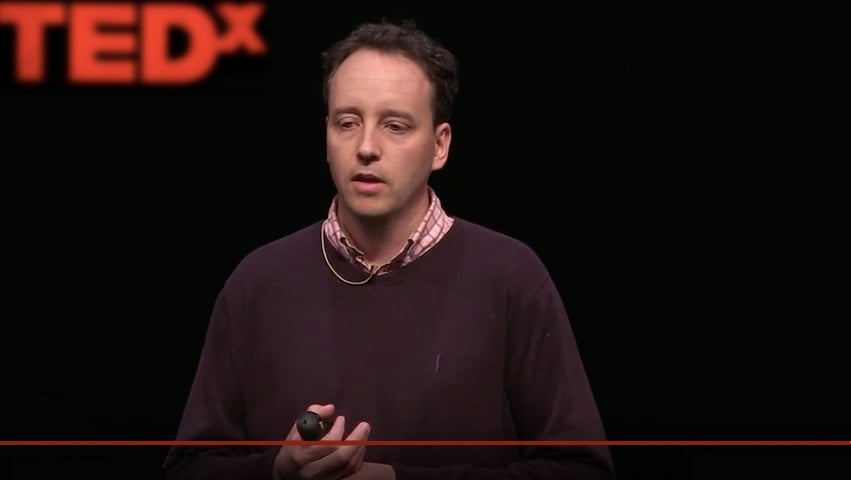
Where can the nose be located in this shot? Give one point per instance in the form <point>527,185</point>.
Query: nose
<point>368,148</point>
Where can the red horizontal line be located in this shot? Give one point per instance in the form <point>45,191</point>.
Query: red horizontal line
<point>614,443</point>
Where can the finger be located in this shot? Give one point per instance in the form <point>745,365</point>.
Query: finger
<point>343,461</point>
<point>360,432</point>
<point>307,454</point>
<point>302,455</point>
<point>353,455</point>
<point>335,466</point>
<point>337,429</point>
<point>325,411</point>
<point>356,463</point>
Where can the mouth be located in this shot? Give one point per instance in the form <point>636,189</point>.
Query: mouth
<point>366,178</point>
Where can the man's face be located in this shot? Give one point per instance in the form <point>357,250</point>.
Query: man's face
<point>382,144</point>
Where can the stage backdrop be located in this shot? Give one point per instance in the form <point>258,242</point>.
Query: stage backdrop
<point>676,167</point>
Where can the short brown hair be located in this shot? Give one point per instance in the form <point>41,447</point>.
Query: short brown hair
<point>438,63</point>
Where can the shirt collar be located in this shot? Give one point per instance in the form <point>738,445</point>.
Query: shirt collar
<point>430,230</point>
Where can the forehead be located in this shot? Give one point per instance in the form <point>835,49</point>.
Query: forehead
<point>368,78</point>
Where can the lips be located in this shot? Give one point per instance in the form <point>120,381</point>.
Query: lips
<point>367,178</point>
<point>367,184</point>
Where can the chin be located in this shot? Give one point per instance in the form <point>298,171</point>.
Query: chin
<point>371,215</point>
<point>369,210</point>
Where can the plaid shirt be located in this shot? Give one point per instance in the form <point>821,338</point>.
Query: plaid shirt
<point>430,231</point>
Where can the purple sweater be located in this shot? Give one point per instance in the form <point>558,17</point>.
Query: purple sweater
<point>469,342</point>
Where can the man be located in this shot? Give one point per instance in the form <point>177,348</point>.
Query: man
<point>390,319</point>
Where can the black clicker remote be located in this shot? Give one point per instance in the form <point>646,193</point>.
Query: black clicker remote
<point>310,426</point>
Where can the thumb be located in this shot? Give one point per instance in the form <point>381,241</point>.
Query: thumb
<point>325,411</point>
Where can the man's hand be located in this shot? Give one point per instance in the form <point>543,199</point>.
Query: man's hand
<point>320,462</point>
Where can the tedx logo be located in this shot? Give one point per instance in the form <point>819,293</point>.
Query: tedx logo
<point>129,43</point>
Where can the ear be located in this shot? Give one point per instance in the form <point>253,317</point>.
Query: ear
<point>442,139</point>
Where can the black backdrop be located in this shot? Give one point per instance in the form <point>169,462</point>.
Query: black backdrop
<point>678,167</point>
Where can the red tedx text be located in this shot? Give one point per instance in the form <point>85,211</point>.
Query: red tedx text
<point>128,43</point>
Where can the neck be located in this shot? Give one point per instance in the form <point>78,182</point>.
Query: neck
<point>381,239</point>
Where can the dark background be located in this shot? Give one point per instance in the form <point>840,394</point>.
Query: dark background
<point>678,166</point>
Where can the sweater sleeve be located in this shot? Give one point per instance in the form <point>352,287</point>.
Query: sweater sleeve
<point>215,410</point>
<point>550,397</point>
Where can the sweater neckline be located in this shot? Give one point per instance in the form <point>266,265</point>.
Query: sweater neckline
<point>355,273</point>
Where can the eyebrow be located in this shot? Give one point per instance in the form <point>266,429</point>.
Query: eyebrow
<point>387,112</point>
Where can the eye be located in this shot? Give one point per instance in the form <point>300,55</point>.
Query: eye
<point>397,127</point>
<point>346,124</point>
